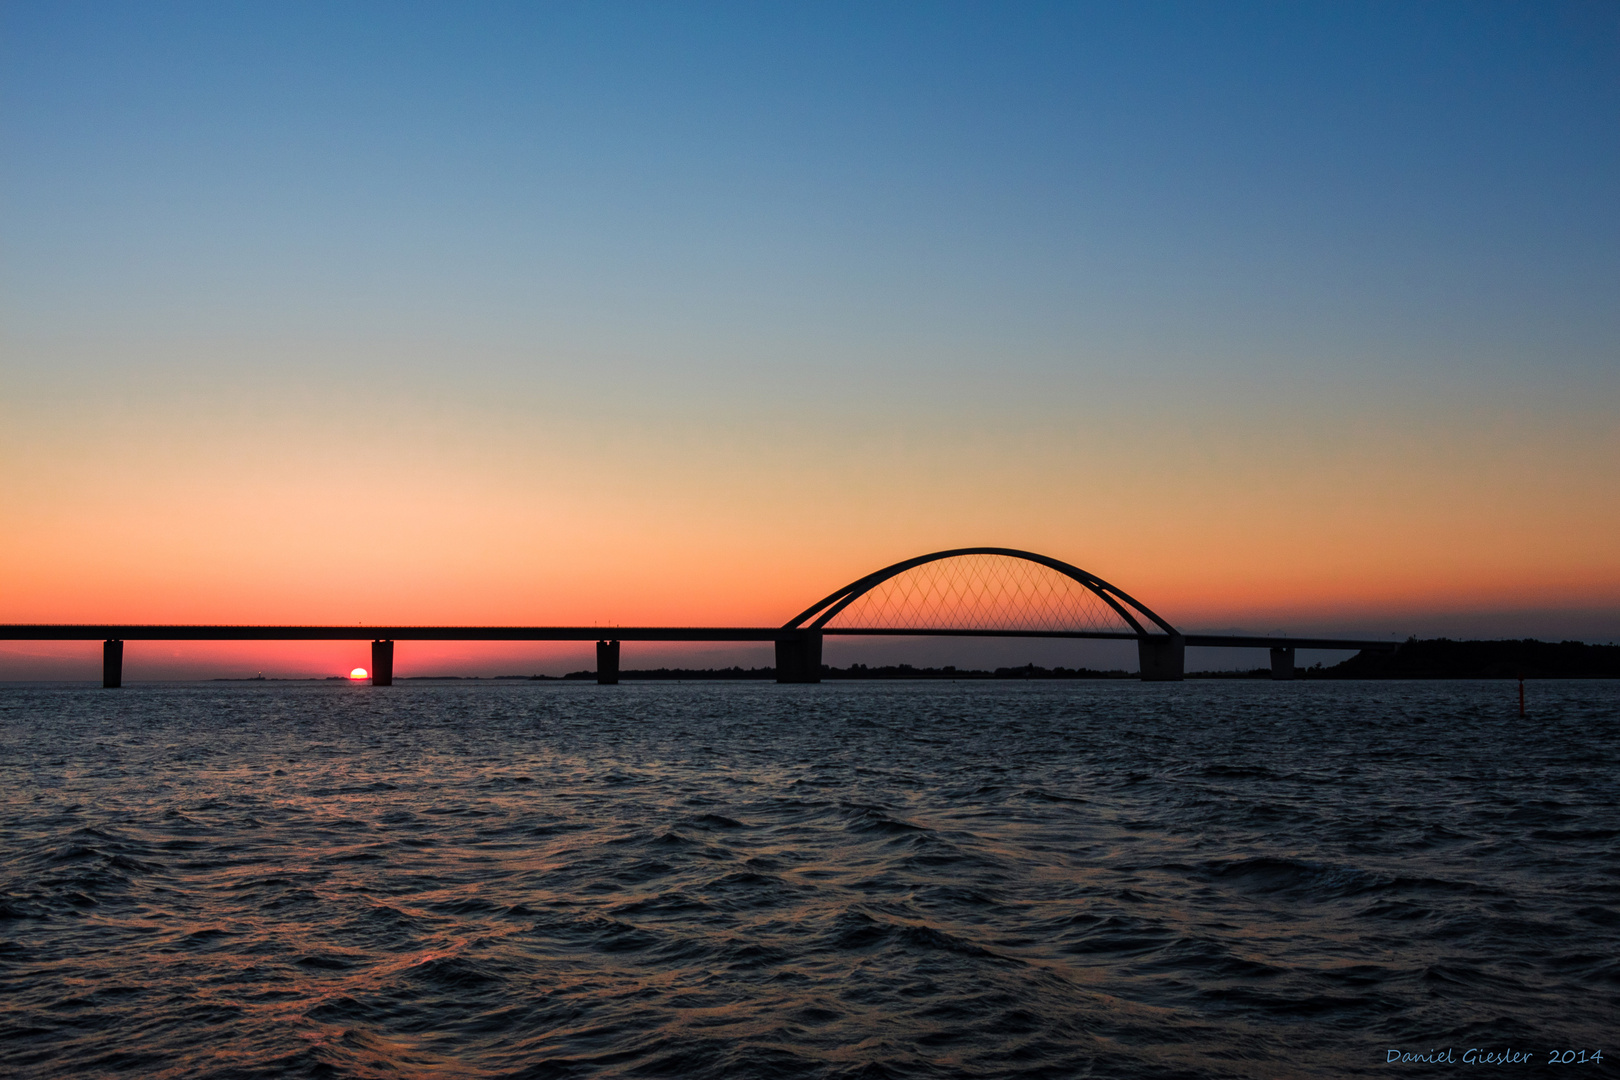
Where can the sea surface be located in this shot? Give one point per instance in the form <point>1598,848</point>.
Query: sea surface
<point>931,879</point>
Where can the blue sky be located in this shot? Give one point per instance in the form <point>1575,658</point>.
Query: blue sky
<point>1434,180</point>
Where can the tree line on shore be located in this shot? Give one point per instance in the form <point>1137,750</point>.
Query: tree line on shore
<point>1435,658</point>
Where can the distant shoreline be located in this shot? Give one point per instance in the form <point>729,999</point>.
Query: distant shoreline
<point>1435,658</point>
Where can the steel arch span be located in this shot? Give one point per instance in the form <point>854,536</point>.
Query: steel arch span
<point>982,590</point>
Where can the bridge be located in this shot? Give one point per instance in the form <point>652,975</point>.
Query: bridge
<point>980,592</point>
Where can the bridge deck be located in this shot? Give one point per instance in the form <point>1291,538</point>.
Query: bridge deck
<point>148,632</point>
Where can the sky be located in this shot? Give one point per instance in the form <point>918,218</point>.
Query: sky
<point>1280,316</point>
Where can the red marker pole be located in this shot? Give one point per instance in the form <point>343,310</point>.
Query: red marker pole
<point>1521,695</point>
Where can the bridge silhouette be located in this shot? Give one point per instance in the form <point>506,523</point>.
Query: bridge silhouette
<point>982,592</point>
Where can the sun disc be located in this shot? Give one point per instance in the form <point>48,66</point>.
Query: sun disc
<point>358,673</point>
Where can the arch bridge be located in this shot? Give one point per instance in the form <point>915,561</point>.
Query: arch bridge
<point>961,592</point>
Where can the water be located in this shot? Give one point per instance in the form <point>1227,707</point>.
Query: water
<point>845,880</point>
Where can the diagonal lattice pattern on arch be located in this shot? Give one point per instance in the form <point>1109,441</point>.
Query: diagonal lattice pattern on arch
<point>979,592</point>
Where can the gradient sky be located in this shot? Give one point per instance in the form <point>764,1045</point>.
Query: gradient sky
<point>1280,316</point>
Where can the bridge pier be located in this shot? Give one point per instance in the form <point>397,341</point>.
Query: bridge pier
<point>1162,659</point>
<point>382,663</point>
<point>112,664</point>
<point>607,663</point>
<point>1282,663</point>
<point>798,657</point>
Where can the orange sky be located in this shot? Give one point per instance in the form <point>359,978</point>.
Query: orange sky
<point>165,503</point>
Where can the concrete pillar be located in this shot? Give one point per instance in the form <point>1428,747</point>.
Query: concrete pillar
<point>1282,663</point>
<point>382,663</point>
<point>607,663</point>
<point>798,657</point>
<point>112,664</point>
<point>1162,659</point>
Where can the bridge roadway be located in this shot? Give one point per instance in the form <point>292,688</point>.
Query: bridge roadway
<point>798,650</point>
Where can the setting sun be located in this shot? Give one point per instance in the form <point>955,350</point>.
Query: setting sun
<point>358,673</point>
